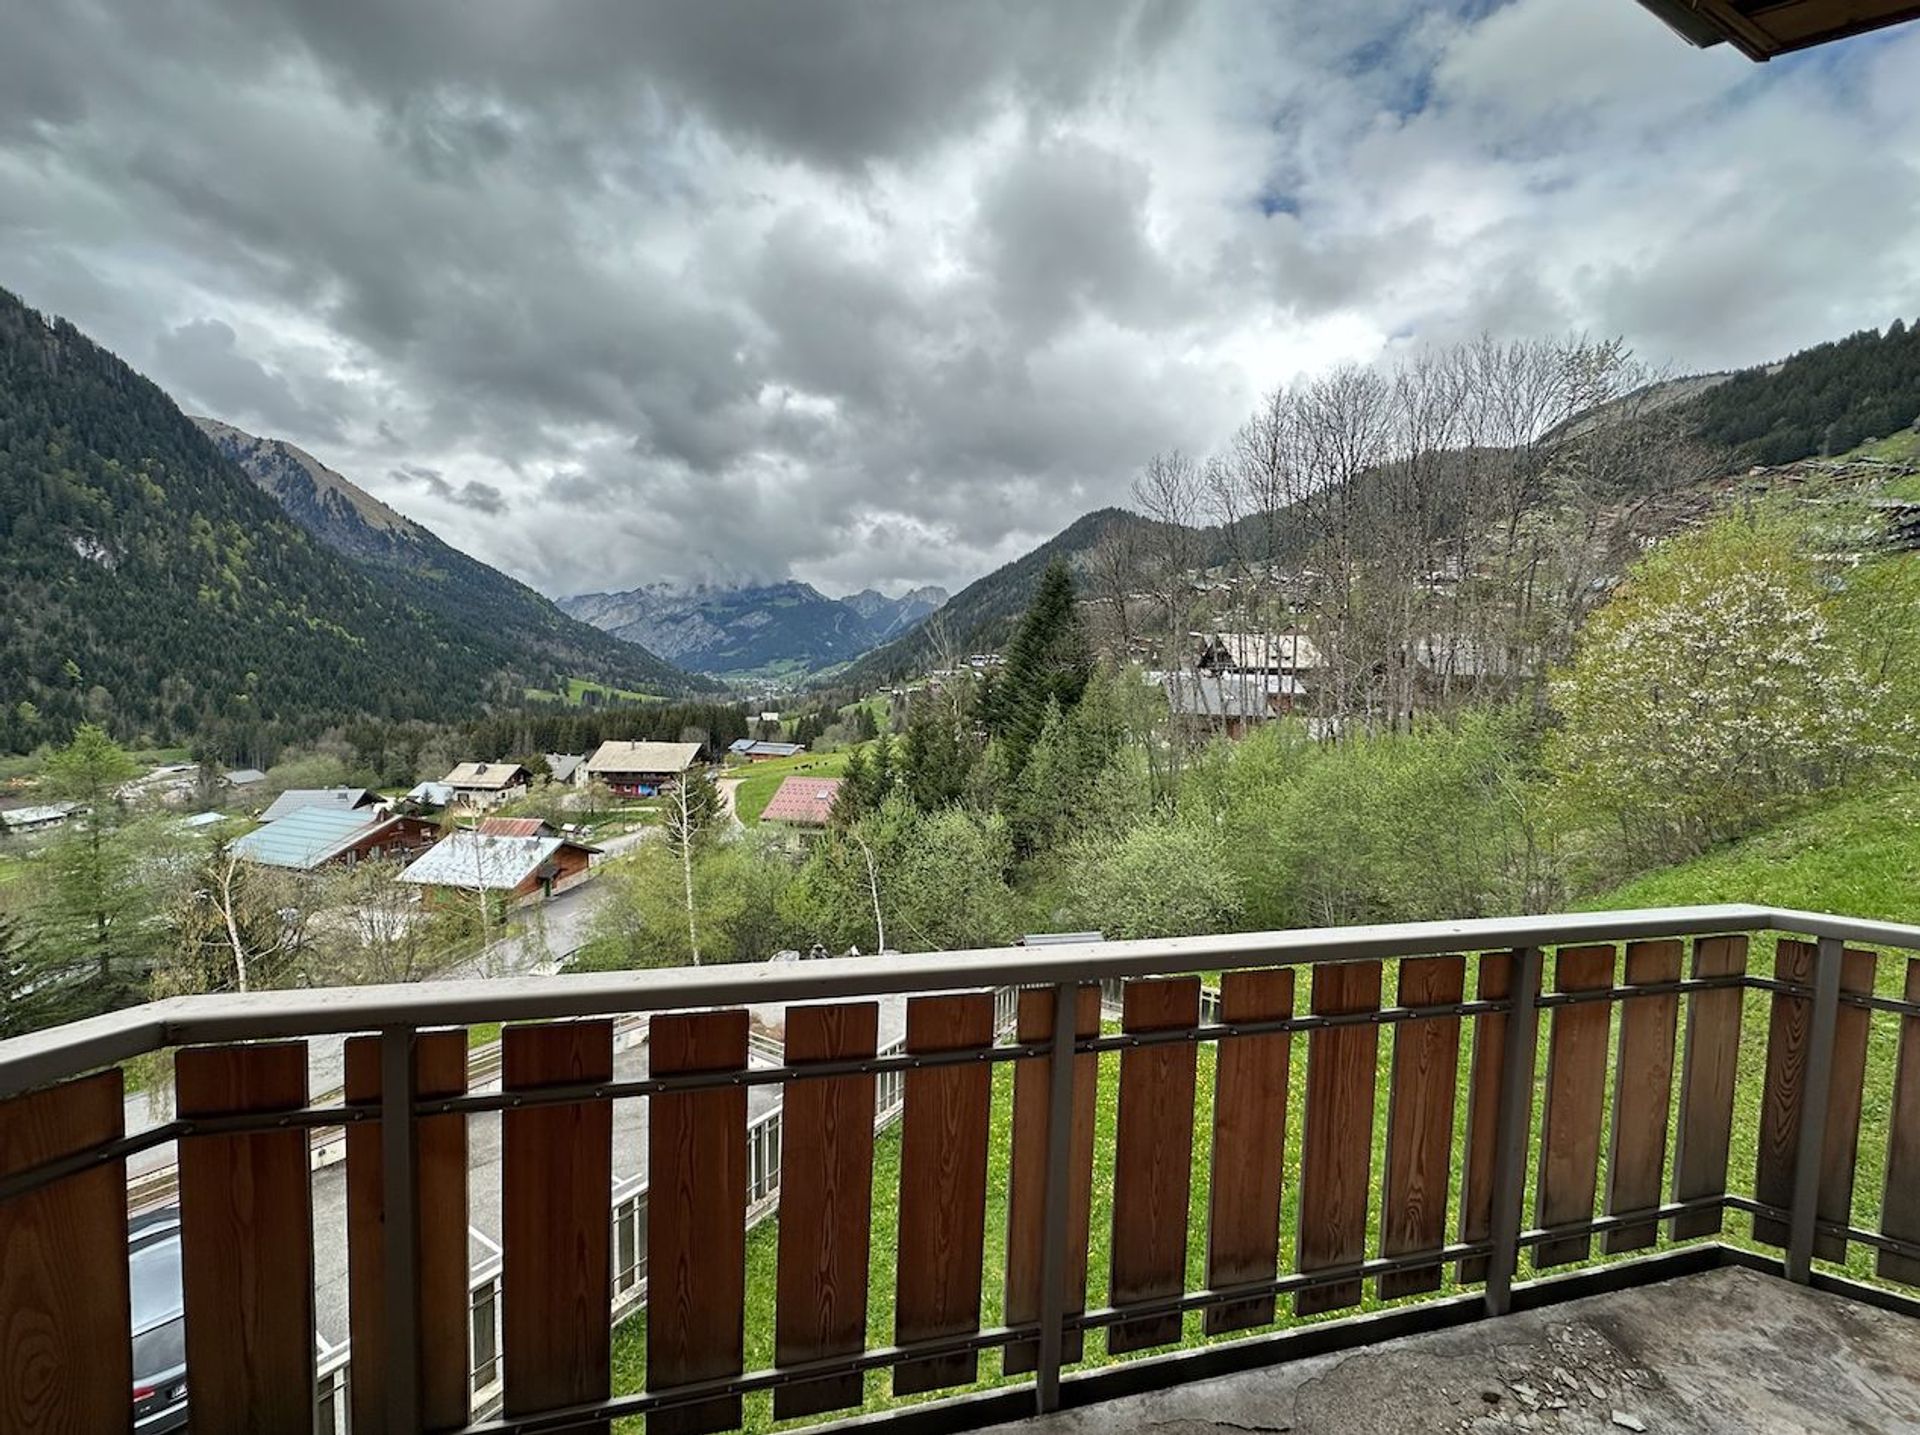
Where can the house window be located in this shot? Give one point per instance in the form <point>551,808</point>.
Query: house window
<point>485,1309</point>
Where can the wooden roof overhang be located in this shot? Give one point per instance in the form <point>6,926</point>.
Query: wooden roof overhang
<point>1761,29</point>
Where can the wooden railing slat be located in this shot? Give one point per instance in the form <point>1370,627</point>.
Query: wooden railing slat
<point>555,1173</point>
<point>246,1242</point>
<point>64,1357</point>
<point>1709,1071</point>
<point>1789,1037</point>
<point>1840,1151</point>
<point>1336,1148</point>
<point>1249,1147</point>
<point>1642,1094</point>
<point>696,1218</point>
<point>1494,983</point>
<point>1424,1087</point>
<point>440,1233</point>
<point>1027,1174</point>
<point>826,1205</point>
<point>943,1188</point>
<point>1576,1085</point>
<point>1900,1204</point>
<point>1789,1031</point>
<point>1153,1159</point>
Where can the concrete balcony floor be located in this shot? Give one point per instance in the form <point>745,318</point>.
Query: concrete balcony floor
<point>1729,1352</point>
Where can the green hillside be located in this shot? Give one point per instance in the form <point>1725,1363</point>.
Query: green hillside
<point>1823,400</point>
<point>152,587</point>
<point>982,615</point>
<point>1859,857</point>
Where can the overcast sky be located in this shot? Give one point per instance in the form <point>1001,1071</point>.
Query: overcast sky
<point>611,291</point>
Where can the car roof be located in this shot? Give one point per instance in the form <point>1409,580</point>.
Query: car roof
<point>148,1224</point>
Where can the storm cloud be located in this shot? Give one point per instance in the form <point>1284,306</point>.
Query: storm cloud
<point>608,292</point>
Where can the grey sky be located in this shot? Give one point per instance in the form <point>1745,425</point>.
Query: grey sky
<point>608,292</point>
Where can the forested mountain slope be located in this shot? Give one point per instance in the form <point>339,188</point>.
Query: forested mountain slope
<point>151,586</point>
<point>402,555</point>
<point>1823,400</point>
<point>982,614</point>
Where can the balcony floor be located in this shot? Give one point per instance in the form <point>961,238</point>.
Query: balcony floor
<point>1730,1352</point>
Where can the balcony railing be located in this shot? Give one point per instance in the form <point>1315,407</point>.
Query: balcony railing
<point>1589,1064</point>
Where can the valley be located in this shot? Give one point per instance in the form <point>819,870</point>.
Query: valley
<point>769,634</point>
<point>930,718</point>
<point>1604,664</point>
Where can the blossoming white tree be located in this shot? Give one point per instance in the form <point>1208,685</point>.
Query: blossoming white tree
<point>1711,689</point>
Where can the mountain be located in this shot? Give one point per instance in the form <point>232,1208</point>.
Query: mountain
<point>770,630</point>
<point>347,519</point>
<point>889,617</point>
<point>982,615</point>
<point>401,555</point>
<point>1826,400</point>
<point>152,587</point>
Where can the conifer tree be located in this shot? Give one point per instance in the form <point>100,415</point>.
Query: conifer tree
<point>1048,664</point>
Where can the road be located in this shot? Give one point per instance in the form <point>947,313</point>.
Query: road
<point>629,1157</point>
<point>551,930</point>
<point>483,1183</point>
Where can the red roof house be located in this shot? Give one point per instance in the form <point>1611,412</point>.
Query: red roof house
<point>802,801</point>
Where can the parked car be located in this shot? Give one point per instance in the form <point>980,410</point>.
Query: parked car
<point>159,1322</point>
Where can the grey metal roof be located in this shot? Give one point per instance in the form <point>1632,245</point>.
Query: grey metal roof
<point>305,838</point>
<point>1233,696</point>
<point>37,816</point>
<point>1264,652</point>
<point>562,765</point>
<point>337,799</point>
<point>477,860</point>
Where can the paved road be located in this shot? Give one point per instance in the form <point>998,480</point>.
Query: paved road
<point>483,1185</point>
<point>629,1159</point>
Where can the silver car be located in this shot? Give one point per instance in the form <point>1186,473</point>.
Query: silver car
<point>159,1322</point>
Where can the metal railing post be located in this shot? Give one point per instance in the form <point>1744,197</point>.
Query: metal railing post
<point>399,1238</point>
<point>1813,1109</point>
<point>1513,1135</point>
<point>1053,1248</point>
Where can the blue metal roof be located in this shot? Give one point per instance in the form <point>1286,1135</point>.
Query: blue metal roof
<point>304,838</point>
<point>341,799</point>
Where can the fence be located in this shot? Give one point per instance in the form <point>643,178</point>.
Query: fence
<point>629,1267</point>
<point>1530,1056</point>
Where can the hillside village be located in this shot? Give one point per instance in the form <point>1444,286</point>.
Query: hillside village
<point>495,835</point>
<point>922,718</point>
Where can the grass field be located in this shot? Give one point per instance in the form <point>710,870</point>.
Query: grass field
<point>760,780</point>
<point>578,688</point>
<point>1860,856</point>
<point>1902,447</point>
